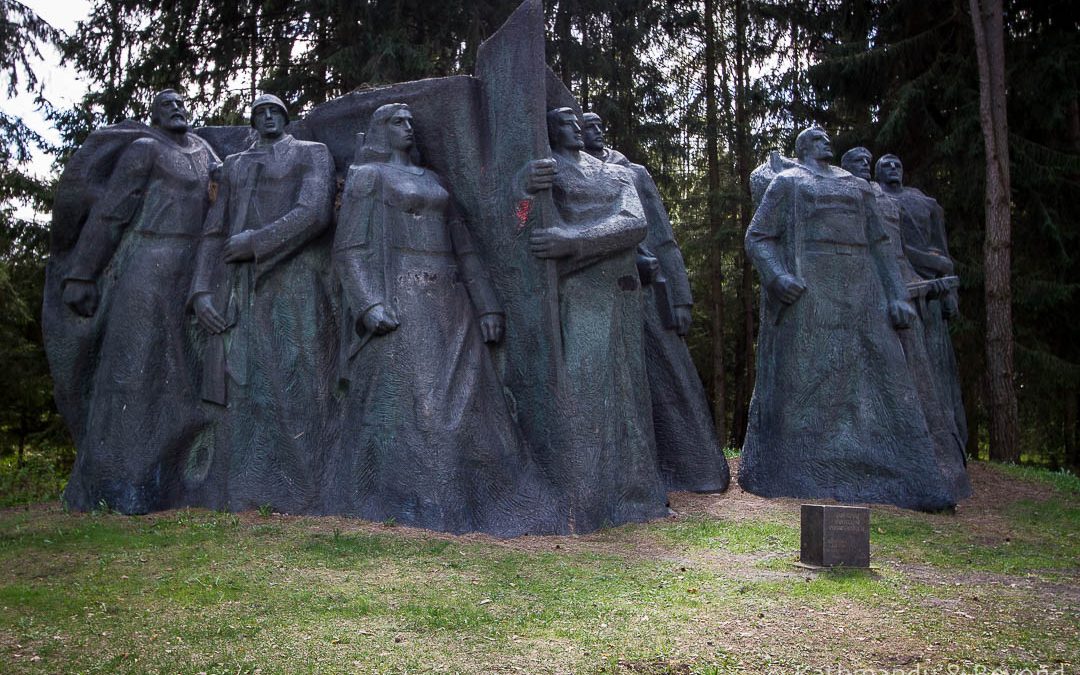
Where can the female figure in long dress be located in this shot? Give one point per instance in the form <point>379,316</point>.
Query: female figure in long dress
<point>428,438</point>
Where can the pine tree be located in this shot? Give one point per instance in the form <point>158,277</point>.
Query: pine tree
<point>26,400</point>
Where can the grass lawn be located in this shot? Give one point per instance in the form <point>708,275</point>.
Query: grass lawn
<point>711,589</point>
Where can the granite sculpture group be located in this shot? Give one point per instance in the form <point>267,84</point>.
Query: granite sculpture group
<point>479,324</point>
<point>848,403</point>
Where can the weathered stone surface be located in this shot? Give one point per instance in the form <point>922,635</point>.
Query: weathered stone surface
<point>430,440</point>
<point>263,291</point>
<point>569,373</point>
<point>835,412</point>
<point>938,413</point>
<point>687,449</point>
<point>573,348</point>
<point>922,222</point>
<point>124,355</point>
<point>833,536</point>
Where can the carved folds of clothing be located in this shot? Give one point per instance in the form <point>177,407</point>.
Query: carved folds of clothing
<point>601,316</point>
<point>922,222</point>
<point>280,349</point>
<point>936,403</point>
<point>429,438</point>
<point>835,412</point>
<point>143,419</point>
<point>687,449</point>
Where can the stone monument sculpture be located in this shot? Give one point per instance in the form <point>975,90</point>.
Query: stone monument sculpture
<point>229,388</point>
<point>926,245</point>
<point>834,413</point>
<point>592,135</point>
<point>686,445</point>
<point>429,439</point>
<point>122,350</point>
<point>597,225</point>
<point>938,414</point>
<point>262,291</point>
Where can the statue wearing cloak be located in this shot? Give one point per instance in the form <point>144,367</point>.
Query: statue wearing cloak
<point>142,422</point>
<point>835,413</point>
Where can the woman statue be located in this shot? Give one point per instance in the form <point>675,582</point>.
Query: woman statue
<point>428,438</point>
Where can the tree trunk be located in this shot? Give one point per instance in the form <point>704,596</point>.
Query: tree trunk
<point>746,282</point>
<point>253,48</point>
<point>562,36</point>
<point>973,392</point>
<point>986,18</point>
<point>716,285</point>
<point>586,47</point>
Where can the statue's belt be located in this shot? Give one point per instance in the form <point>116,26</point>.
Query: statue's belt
<point>168,235</point>
<point>834,247</point>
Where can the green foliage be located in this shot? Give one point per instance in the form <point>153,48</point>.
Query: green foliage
<point>27,417</point>
<point>894,75</point>
<point>1042,537</point>
<point>734,536</point>
<point>1062,480</point>
<point>306,52</point>
<point>39,477</point>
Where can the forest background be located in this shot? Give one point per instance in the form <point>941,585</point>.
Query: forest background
<point>699,91</point>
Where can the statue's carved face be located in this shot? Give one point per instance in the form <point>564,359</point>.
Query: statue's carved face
<point>170,113</point>
<point>593,134</point>
<point>890,170</point>
<point>400,130</point>
<point>819,146</point>
<point>567,133</point>
<point>857,164</point>
<point>268,120</point>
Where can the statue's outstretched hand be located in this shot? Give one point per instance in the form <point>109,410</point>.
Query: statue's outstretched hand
<point>950,305</point>
<point>901,314</point>
<point>540,175</point>
<point>209,317</point>
<point>684,318</point>
<point>492,327</point>
<point>240,247</point>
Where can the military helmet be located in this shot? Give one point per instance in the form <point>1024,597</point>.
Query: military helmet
<point>268,99</point>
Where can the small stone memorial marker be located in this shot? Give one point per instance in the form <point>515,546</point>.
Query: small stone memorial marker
<point>835,536</point>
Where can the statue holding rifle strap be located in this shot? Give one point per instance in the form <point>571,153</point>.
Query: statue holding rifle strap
<point>262,291</point>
